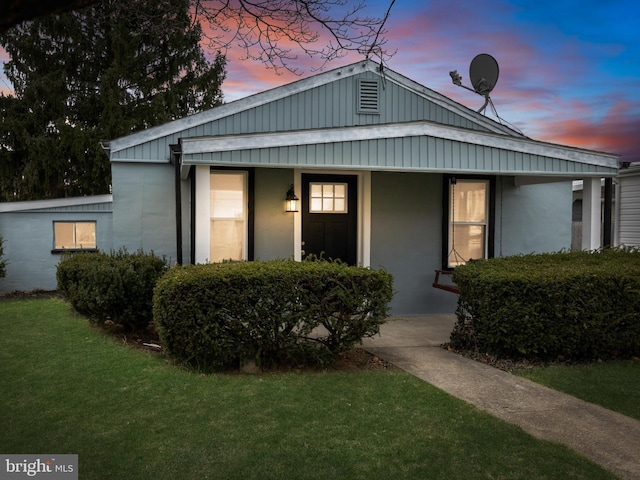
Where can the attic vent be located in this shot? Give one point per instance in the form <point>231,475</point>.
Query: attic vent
<point>368,96</point>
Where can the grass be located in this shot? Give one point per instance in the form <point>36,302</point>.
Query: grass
<point>67,388</point>
<point>613,385</point>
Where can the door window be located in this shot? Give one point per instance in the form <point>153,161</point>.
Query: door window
<point>328,198</point>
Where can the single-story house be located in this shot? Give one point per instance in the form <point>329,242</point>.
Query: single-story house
<point>387,173</point>
<point>36,233</point>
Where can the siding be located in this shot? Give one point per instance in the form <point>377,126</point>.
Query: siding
<point>403,154</point>
<point>95,207</point>
<point>330,105</point>
<point>629,210</point>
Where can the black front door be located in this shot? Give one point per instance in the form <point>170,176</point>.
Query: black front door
<point>330,216</point>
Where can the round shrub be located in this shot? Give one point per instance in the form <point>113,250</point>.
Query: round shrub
<point>116,286</point>
<point>217,316</point>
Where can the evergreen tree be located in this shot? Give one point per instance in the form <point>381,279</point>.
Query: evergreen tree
<point>91,75</point>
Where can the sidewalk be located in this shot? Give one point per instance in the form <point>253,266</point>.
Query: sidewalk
<point>605,437</point>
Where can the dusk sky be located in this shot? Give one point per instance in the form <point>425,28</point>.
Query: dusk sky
<point>569,69</point>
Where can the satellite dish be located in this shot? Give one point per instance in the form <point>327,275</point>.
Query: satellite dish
<point>483,73</point>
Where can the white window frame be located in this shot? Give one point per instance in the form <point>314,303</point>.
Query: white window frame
<point>452,253</point>
<point>245,205</point>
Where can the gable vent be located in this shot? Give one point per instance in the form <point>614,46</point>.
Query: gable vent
<point>368,96</point>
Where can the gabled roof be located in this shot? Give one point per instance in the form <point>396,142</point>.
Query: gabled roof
<point>302,85</point>
<point>472,143</point>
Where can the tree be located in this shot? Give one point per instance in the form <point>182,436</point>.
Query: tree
<point>91,75</point>
<point>17,11</point>
<point>275,32</point>
<point>268,30</point>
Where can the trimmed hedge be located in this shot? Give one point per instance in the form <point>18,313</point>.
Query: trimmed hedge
<point>117,286</point>
<point>579,305</point>
<point>218,316</point>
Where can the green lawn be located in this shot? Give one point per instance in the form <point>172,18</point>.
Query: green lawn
<point>613,385</point>
<point>67,388</point>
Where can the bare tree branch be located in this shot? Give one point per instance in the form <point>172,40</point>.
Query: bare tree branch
<point>273,32</point>
<point>276,32</point>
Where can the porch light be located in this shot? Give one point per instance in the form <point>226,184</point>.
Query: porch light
<point>291,202</point>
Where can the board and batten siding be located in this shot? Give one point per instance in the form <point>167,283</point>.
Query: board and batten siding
<point>327,106</point>
<point>629,208</point>
<point>401,154</point>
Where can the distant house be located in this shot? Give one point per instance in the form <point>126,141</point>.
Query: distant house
<point>628,207</point>
<point>388,173</point>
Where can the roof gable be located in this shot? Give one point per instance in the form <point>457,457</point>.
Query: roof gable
<point>401,99</point>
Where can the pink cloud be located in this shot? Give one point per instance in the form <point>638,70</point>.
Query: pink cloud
<point>615,132</point>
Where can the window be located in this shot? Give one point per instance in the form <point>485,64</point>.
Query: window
<point>228,223</point>
<point>468,224</point>
<point>328,198</point>
<point>74,235</point>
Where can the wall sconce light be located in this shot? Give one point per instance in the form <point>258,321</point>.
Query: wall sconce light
<point>291,201</point>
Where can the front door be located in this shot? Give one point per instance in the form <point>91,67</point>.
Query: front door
<point>330,216</point>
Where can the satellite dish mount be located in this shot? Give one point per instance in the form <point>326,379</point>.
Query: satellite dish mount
<point>483,73</point>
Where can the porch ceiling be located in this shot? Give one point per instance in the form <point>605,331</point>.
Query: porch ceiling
<point>412,146</point>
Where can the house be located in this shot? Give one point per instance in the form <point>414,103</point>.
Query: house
<point>607,194</point>
<point>627,215</point>
<point>36,233</point>
<point>388,173</point>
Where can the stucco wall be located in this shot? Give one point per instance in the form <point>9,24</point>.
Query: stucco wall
<point>406,233</point>
<point>273,226</point>
<point>406,239</point>
<point>536,218</point>
<point>144,208</point>
<point>28,243</point>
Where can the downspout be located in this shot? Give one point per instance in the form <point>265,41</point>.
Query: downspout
<point>176,154</point>
<point>192,228</point>
<point>616,220</point>
<point>608,204</point>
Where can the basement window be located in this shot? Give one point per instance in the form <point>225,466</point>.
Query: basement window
<point>368,96</point>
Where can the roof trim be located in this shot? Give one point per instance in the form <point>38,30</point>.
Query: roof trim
<point>56,202</point>
<point>293,88</point>
<point>196,145</point>
<point>631,171</point>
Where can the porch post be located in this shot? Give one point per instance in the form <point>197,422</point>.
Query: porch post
<point>591,214</point>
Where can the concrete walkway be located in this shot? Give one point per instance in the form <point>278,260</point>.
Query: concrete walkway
<point>607,438</point>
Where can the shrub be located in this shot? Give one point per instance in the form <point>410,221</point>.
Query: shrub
<point>579,305</point>
<point>216,316</point>
<point>117,286</point>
